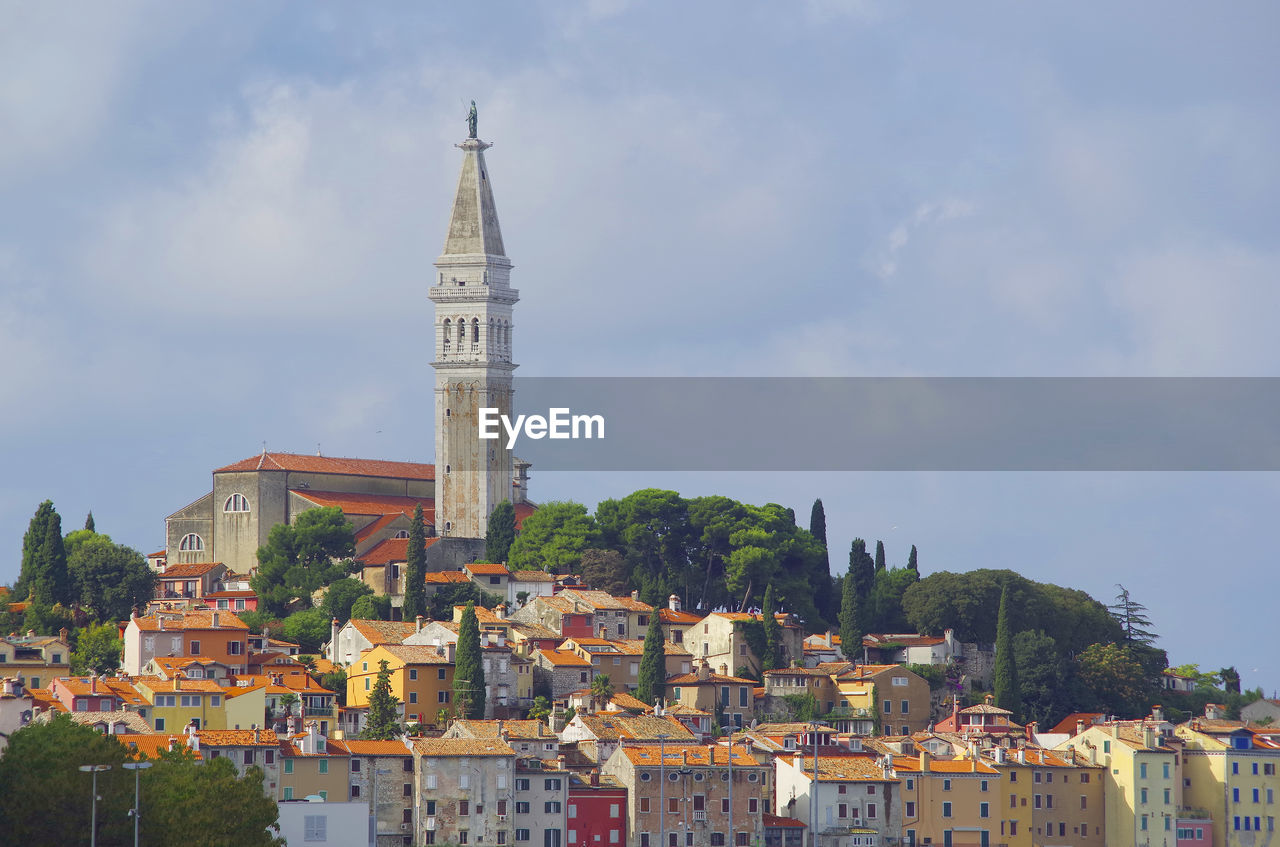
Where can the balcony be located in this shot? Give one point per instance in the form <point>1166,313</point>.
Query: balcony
<point>699,816</point>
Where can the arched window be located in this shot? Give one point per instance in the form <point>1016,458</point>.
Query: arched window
<point>475,330</point>
<point>462,331</point>
<point>404,533</point>
<point>448,329</point>
<point>191,542</point>
<point>236,503</point>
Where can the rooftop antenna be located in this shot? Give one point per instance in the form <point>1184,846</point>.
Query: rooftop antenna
<point>318,453</point>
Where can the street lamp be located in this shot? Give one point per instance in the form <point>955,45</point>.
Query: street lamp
<point>662,785</point>
<point>93,814</point>
<point>136,811</point>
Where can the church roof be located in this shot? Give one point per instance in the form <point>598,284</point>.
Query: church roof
<point>332,465</point>
<point>473,226</point>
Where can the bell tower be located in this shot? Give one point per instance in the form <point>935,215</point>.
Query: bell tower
<point>473,331</point>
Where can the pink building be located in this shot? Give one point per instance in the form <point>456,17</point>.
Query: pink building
<point>1194,831</point>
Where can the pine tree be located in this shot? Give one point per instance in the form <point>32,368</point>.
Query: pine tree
<point>1006,688</point>
<point>851,630</point>
<point>912,564</point>
<point>1132,617</point>
<point>44,574</point>
<point>501,532</point>
<point>468,671</point>
<point>32,547</point>
<point>88,522</point>
<point>826,597</point>
<point>653,664</point>
<point>772,657</point>
<point>880,561</point>
<point>382,724</point>
<point>415,571</point>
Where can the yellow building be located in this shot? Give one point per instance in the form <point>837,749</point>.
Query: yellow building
<point>956,802</point>
<point>1140,762</point>
<point>881,699</point>
<point>1049,797</point>
<point>177,702</point>
<point>1230,773</point>
<point>421,679</point>
<point>309,767</point>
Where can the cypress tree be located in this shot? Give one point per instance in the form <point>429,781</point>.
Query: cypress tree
<point>415,571</point>
<point>382,724</point>
<point>912,564</point>
<point>1008,694</point>
<point>32,544</point>
<point>501,532</point>
<point>851,631</point>
<point>880,563</point>
<point>88,522</point>
<point>826,595</point>
<point>772,657</point>
<point>468,671</point>
<point>653,664</point>
<point>44,574</point>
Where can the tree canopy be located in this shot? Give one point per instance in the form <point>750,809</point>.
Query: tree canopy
<point>415,570</point>
<point>110,580</point>
<point>44,572</point>
<point>553,538</point>
<point>468,672</point>
<point>500,533</point>
<point>299,559</point>
<point>651,684</point>
<point>383,723</point>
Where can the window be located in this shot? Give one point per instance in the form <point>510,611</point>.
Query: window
<point>1166,770</point>
<point>888,707</point>
<point>314,828</point>
<point>288,792</point>
<point>248,757</point>
<point>195,648</point>
<point>191,542</point>
<point>236,503</point>
<point>551,785</point>
<point>946,809</point>
<point>522,835</point>
<point>1084,802</point>
<point>573,812</point>
<point>984,810</point>
<point>946,785</point>
<point>430,781</point>
<point>753,805</point>
<point>614,810</point>
<point>413,696</point>
<point>235,648</point>
<point>742,695</point>
<point>441,696</point>
<point>406,789</point>
<point>464,808</point>
<point>644,804</point>
<point>551,807</point>
<point>413,673</point>
<point>982,786</point>
<point>911,809</point>
<point>871,810</point>
<point>355,791</point>
<point>324,766</point>
<point>1142,770</point>
<point>440,673</point>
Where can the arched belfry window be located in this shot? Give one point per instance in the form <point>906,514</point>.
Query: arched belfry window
<point>448,330</point>
<point>236,503</point>
<point>475,330</point>
<point>191,542</point>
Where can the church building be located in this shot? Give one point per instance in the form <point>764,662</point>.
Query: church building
<point>473,364</point>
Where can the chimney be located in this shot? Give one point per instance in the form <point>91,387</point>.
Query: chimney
<point>673,602</point>
<point>500,611</point>
<point>560,761</point>
<point>1115,729</point>
<point>333,641</point>
<point>998,755</point>
<point>724,669</point>
<point>924,762</point>
<point>93,682</point>
<point>704,670</point>
<point>453,650</point>
<point>439,648</point>
<point>557,719</point>
<point>1022,755</point>
<point>31,633</point>
<point>1079,727</point>
<point>595,777</point>
<point>1031,730</point>
<point>988,699</point>
<point>417,624</point>
<point>604,632</point>
<point>1148,735</point>
<point>1157,713</point>
<point>635,595</point>
<point>215,618</point>
<point>501,732</point>
<point>62,634</point>
<point>160,622</point>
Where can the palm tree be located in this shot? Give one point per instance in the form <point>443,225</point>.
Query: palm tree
<point>601,692</point>
<point>287,701</point>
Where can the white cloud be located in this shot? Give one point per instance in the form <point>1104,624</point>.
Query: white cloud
<point>885,263</point>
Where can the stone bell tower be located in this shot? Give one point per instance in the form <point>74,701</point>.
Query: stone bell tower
<point>474,299</point>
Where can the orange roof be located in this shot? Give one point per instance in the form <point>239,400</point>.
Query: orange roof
<point>688,679</point>
<point>462,747</point>
<point>678,755</point>
<point>192,620</point>
<point>564,658</point>
<point>668,616</point>
<point>358,747</point>
<point>371,504</point>
<point>949,766</point>
<point>218,595</point>
<point>391,551</point>
<point>188,570</point>
<point>774,821</point>
<point>1068,724</point>
<point>445,577</point>
<point>524,510</point>
<point>237,737</point>
<point>156,685</point>
<point>333,465</point>
<point>487,569</point>
<point>383,632</point>
<point>375,526</point>
<point>532,576</point>
<point>151,746</point>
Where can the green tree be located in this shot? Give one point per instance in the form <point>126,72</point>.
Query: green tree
<point>1042,677</point>
<point>771,658</point>
<point>341,595</point>
<point>382,724</point>
<point>1132,617</point>
<point>851,629</point>
<point>651,684</point>
<point>336,681</point>
<point>454,594</point>
<point>44,619</point>
<point>540,710</point>
<point>601,692</point>
<point>1230,680</point>
<point>98,648</point>
<point>415,571</point>
<point>298,559</point>
<point>501,532</point>
<point>44,560</point>
<point>912,563</point>
<point>880,559</point>
<point>88,522</point>
<point>110,580</point>
<point>606,570</point>
<point>205,804</point>
<point>1115,679</point>
<point>372,607</point>
<point>1006,686</point>
<point>887,591</point>
<point>553,538</point>
<point>309,629</point>
<point>825,590</point>
<point>287,701</point>
<point>863,570</point>
<point>468,673</point>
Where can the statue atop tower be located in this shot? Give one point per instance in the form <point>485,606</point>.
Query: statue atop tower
<point>473,353</point>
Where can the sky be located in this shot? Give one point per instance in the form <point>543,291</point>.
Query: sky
<point>218,223</point>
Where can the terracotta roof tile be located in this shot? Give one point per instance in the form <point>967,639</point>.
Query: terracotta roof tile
<point>445,577</point>
<point>412,655</point>
<point>188,570</point>
<point>564,658</point>
<point>609,727</point>
<point>487,569</point>
<point>178,621</point>
<point>515,729</point>
<point>392,551</point>
<point>332,465</point>
<point>237,738</point>
<point>383,632</point>
<point>532,576</point>
<point>679,618</point>
<point>696,755</point>
<point>359,747</point>
<point>442,747</point>
<point>151,746</point>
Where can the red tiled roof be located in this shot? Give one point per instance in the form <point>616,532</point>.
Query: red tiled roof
<point>775,821</point>
<point>188,570</point>
<point>192,620</point>
<point>445,577</point>
<point>220,595</point>
<point>371,504</point>
<point>523,510</point>
<point>333,465</point>
<point>391,551</point>
<point>1068,724</point>
<point>377,526</point>
<point>487,569</point>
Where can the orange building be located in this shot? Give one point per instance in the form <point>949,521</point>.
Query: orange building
<point>421,679</point>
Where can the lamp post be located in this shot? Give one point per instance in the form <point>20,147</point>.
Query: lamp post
<point>93,814</point>
<point>732,837</point>
<point>136,811</point>
<point>813,790</point>
<point>662,786</point>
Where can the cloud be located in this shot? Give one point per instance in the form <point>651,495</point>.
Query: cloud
<point>885,263</point>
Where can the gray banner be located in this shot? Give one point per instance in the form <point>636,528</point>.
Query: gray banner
<point>885,424</point>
